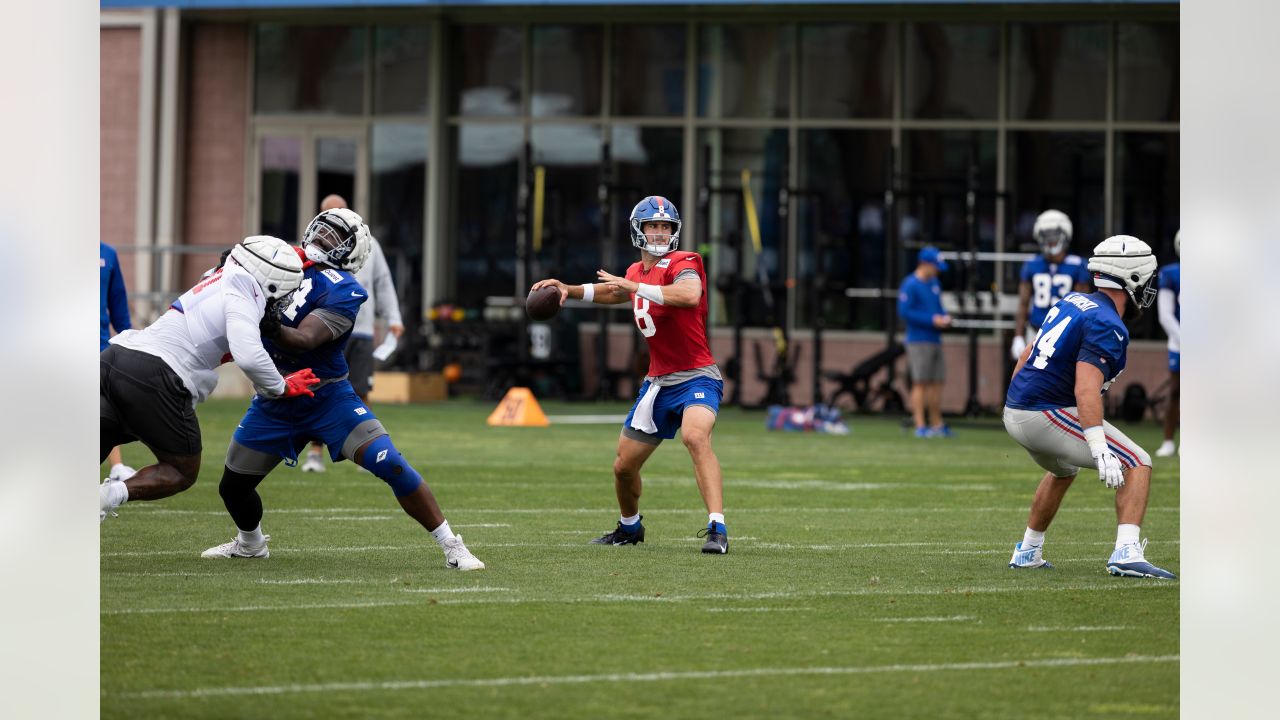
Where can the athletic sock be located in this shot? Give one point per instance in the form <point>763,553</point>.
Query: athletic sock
<point>115,469</point>
<point>715,521</point>
<point>254,537</point>
<point>1127,535</point>
<point>630,520</point>
<point>442,533</point>
<point>1032,538</point>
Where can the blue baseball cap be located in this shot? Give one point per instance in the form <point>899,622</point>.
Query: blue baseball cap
<point>929,254</point>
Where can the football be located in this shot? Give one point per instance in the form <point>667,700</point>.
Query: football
<point>543,304</point>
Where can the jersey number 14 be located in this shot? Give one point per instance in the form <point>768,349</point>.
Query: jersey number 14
<point>1048,338</point>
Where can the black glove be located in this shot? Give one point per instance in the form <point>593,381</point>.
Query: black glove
<point>269,326</point>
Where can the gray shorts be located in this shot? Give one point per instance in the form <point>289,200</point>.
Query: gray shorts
<point>359,354</point>
<point>924,360</point>
<point>1053,439</point>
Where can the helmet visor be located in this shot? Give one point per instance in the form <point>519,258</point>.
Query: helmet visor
<point>1052,240</point>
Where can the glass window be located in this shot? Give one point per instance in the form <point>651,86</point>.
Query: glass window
<point>1147,85</point>
<point>568,70</point>
<point>401,66</point>
<point>1058,71</point>
<point>335,169</point>
<point>398,172</point>
<point>1146,204</point>
<point>952,70</point>
<point>1060,170</point>
<point>744,71</point>
<point>646,161</point>
<point>486,63</point>
<point>863,88</point>
<point>570,157</point>
<point>722,156</point>
<point>309,68</point>
<point>280,164</point>
<point>485,187</point>
<point>648,70</point>
<point>932,208</point>
<point>841,229</point>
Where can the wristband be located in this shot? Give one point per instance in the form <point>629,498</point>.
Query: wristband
<point>1097,439</point>
<point>650,292</point>
<point>588,292</point>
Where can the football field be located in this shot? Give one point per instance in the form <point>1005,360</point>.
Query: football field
<point>866,577</point>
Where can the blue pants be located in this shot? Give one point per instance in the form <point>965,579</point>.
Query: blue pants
<point>283,427</point>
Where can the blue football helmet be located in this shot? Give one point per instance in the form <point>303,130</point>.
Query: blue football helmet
<point>651,209</point>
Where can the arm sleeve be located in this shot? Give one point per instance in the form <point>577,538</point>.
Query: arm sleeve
<point>118,300</point>
<point>911,313</point>
<point>244,339</point>
<point>1165,302</point>
<point>386,304</point>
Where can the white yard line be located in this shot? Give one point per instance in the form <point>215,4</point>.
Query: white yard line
<point>1110,585</point>
<point>1081,628</point>
<point>953,618</point>
<point>150,509</point>
<point>540,680</point>
<point>457,590</point>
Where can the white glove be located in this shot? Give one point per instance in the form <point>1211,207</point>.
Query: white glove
<point>1110,471</point>
<point>1019,344</point>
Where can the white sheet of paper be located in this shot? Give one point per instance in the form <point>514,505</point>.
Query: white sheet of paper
<point>383,351</point>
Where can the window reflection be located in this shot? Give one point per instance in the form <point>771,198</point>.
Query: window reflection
<point>486,62</point>
<point>952,70</point>
<point>335,169</point>
<point>482,234</point>
<point>863,85</point>
<point>648,63</point>
<point>568,62</point>
<point>1058,71</point>
<point>309,68</point>
<point>1147,85</point>
<point>281,168</point>
<point>1146,204</point>
<point>744,71</point>
<point>570,156</point>
<point>398,168</point>
<point>401,65</point>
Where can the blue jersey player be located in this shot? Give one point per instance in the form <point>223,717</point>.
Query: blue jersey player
<point>311,331</point>
<point>1054,405</point>
<point>1169,304</point>
<point>1046,278</point>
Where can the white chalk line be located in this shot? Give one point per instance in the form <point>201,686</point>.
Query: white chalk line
<point>668,676</point>
<point>605,511</point>
<point>952,618</point>
<point>513,599</point>
<point>1080,628</point>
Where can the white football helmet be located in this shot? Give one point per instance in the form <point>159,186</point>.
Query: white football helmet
<point>337,238</point>
<point>1125,263</point>
<point>1052,232</point>
<point>1177,243</point>
<point>272,262</point>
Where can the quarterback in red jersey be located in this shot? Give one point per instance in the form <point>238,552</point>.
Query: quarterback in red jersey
<point>667,290</point>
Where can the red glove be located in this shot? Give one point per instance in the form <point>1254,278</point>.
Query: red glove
<point>300,383</point>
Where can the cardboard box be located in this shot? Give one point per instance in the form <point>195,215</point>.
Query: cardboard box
<point>403,387</point>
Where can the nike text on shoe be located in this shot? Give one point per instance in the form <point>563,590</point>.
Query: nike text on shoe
<point>622,535</point>
<point>237,549</point>
<point>717,539</point>
<point>458,557</point>
<point>1027,558</point>
<point>1129,561</point>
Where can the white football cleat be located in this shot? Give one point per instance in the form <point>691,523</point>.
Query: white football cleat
<point>237,549</point>
<point>1029,557</point>
<point>314,463</point>
<point>1130,561</point>
<point>458,557</point>
<point>1166,449</point>
<point>121,472</point>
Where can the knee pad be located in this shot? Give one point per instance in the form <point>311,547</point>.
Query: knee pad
<point>383,459</point>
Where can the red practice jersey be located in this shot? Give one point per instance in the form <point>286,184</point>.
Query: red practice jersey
<point>677,336</point>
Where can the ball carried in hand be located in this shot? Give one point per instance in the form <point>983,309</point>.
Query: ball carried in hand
<point>543,303</point>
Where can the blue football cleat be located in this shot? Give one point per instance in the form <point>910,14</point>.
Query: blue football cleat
<point>943,431</point>
<point>622,535</point>
<point>1128,561</point>
<point>1029,558</point>
<point>924,432</point>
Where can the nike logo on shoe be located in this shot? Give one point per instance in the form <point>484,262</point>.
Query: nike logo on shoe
<point>453,564</point>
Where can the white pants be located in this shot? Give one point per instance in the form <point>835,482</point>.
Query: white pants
<point>1056,442</point>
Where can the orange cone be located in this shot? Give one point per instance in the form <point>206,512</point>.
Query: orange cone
<point>519,407</point>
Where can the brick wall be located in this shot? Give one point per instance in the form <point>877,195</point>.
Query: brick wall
<point>216,129</point>
<point>120,52</point>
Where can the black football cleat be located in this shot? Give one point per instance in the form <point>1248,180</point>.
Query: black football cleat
<point>717,539</point>
<point>622,536</point>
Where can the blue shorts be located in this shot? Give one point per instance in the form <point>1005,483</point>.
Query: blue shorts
<point>1175,359</point>
<point>669,406</point>
<point>284,427</point>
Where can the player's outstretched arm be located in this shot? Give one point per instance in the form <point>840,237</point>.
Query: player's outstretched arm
<point>599,293</point>
<point>310,334</point>
<point>682,293</point>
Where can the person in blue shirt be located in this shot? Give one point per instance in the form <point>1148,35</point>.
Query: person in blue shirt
<point>1047,277</point>
<point>114,304</point>
<point>312,330</point>
<point>920,307</point>
<point>1169,302</point>
<point>1054,405</point>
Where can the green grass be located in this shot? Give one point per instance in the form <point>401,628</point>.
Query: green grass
<point>866,577</point>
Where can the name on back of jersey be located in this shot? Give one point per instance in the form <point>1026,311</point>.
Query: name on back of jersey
<point>1080,301</point>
